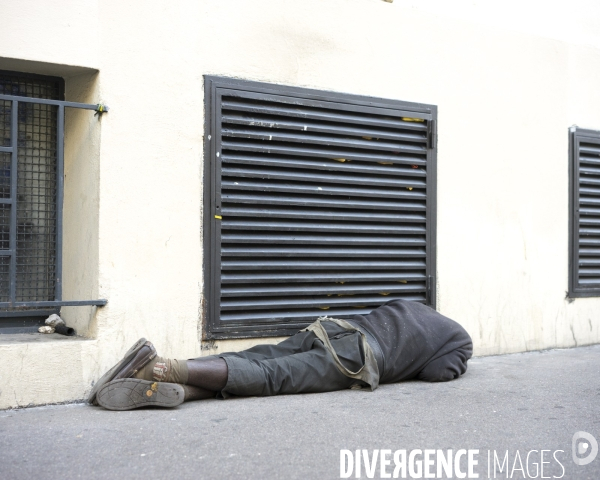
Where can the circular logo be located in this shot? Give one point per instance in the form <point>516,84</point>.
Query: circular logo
<point>588,447</point>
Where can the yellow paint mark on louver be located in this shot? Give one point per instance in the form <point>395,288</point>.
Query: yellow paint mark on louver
<point>409,119</point>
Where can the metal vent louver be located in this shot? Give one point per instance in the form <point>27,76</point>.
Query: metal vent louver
<point>585,215</point>
<point>318,207</point>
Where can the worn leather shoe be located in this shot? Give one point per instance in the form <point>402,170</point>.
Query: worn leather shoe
<point>136,357</point>
<point>130,393</point>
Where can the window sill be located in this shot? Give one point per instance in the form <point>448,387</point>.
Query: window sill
<point>38,338</point>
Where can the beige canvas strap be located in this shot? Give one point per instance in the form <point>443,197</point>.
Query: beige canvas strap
<point>369,372</point>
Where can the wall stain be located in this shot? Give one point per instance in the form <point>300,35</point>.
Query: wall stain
<point>573,333</point>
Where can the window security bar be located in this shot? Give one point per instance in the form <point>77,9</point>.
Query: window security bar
<point>8,256</point>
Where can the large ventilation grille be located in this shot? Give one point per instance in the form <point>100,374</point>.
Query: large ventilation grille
<point>323,206</point>
<point>587,222</point>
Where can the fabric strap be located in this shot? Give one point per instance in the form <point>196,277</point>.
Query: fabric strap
<point>369,372</point>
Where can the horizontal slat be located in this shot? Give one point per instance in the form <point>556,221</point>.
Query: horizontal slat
<point>589,262</point>
<point>353,168</point>
<point>589,230</point>
<point>594,212</point>
<point>300,226</point>
<point>591,180</point>
<point>295,111</point>
<point>589,282</point>
<point>321,277</point>
<point>270,121</point>
<point>589,149</point>
<point>332,215</point>
<point>349,240</point>
<point>592,221</point>
<point>590,241</point>
<point>589,272</point>
<point>594,161</point>
<point>309,188</point>
<point>321,252</point>
<point>590,252</point>
<point>371,107</point>
<point>356,179</point>
<point>308,315</point>
<point>327,265</point>
<point>326,202</point>
<point>589,201</point>
<point>283,290</point>
<point>323,152</point>
<point>591,190</point>
<point>587,170</point>
<point>290,317</point>
<point>322,303</point>
<point>322,139</point>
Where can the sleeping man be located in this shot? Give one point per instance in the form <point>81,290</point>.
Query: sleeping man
<point>398,341</point>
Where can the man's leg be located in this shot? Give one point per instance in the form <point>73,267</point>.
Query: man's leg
<point>210,373</point>
<point>311,371</point>
<point>297,365</point>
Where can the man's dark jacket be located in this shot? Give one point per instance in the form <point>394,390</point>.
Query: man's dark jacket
<point>417,342</point>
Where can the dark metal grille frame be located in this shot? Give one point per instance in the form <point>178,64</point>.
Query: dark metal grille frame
<point>289,232</point>
<point>31,194</point>
<point>584,213</point>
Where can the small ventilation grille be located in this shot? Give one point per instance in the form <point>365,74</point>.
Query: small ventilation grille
<point>586,238</point>
<point>323,208</point>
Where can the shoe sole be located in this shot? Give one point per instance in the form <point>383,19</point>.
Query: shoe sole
<point>110,375</point>
<point>130,393</point>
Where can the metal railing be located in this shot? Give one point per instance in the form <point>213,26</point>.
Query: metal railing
<point>11,298</point>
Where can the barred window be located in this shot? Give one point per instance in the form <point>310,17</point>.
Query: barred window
<point>31,182</point>
<point>316,203</point>
<point>35,189</point>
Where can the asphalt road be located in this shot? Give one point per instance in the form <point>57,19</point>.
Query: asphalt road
<point>509,406</point>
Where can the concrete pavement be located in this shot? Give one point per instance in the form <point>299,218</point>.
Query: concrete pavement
<point>509,406</point>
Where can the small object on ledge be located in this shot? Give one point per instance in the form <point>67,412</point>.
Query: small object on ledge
<point>46,329</point>
<point>59,326</point>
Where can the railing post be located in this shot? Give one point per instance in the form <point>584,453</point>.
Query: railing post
<point>14,134</point>
<point>60,177</point>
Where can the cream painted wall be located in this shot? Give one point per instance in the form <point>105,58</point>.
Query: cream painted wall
<point>506,96</point>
